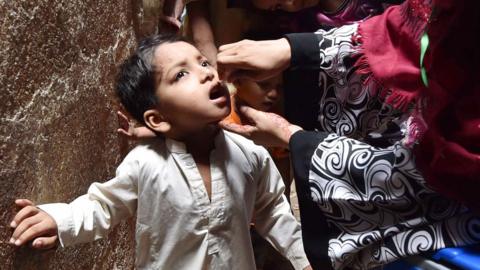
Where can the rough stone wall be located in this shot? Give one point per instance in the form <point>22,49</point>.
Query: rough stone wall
<point>58,60</point>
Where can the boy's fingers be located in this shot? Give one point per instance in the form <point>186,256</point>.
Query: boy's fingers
<point>45,242</point>
<point>24,225</point>
<point>23,202</point>
<point>33,231</point>
<point>123,120</point>
<point>24,213</point>
<point>122,115</point>
<point>124,132</point>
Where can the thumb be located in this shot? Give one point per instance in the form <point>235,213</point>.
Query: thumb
<point>45,242</point>
<point>23,202</point>
<point>123,132</point>
<point>250,113</point>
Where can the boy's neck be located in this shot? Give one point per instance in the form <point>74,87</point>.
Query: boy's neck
<point>200,143</point>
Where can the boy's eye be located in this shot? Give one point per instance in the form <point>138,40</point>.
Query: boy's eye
<point>205,63</point>
<point>180,75</point>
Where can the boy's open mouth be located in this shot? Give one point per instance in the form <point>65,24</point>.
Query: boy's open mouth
<point>218,91</point>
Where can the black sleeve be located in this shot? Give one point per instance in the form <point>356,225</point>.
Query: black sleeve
<point>315,231</point>
<point>300,81</point>
<point>305,51</point>
<point>302,146</point>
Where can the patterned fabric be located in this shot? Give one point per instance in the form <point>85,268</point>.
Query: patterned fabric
<point>379,204</point>
<point>345,108</point>
<point>361,177</point>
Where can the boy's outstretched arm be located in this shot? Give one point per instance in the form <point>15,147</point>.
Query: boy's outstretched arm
<point>32,223</point>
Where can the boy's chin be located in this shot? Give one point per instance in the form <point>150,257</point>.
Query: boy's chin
<point>224,112</point>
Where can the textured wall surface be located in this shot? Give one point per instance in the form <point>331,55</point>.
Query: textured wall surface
<point>58,61</point>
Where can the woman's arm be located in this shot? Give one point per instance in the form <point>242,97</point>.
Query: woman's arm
<point>201,29</point>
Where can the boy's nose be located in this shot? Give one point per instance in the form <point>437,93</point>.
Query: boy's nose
<point>208,75</point>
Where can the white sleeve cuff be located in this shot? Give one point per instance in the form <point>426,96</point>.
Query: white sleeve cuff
<point>296,255</point>
<point>62,214</point>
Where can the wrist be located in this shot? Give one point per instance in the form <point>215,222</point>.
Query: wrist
<point>292,130</point>
<point>285,53</point>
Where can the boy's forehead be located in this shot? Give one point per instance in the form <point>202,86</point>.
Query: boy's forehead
<point>171,53</point>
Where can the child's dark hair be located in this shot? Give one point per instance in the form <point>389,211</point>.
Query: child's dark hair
<point>136,81</point>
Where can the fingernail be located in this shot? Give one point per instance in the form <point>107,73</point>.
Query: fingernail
<point>37,243</point>
<point>12,240</point>
<point>13,224</point>
<point>17,243</point>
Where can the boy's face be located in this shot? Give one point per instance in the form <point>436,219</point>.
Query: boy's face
<point>286,5</point>
<point>263,95</point>
<point>188,89</point>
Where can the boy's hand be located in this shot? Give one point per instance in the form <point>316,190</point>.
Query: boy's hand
<point>266,129</point>
<point>255,60</point>
<point>31,223</point>
<point>127,128</point>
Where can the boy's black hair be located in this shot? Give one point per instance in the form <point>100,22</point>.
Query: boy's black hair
<point>136,81</point>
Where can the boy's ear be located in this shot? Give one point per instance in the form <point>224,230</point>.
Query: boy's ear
<point>155,121</point>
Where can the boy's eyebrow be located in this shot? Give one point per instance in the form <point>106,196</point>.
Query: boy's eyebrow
<point>176,64</point>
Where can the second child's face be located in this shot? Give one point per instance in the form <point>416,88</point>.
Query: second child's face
<point>263,95</point>
<point>188,88</point>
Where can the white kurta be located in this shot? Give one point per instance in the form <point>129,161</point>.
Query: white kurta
<point>177,226</point>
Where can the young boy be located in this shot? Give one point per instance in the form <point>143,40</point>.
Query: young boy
<point>193,191</point>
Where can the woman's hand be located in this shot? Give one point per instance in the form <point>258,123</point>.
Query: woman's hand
<point>255,60</point>
<point>266,129</point>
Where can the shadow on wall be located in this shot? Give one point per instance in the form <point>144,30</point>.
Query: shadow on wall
<point>57,118</point>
